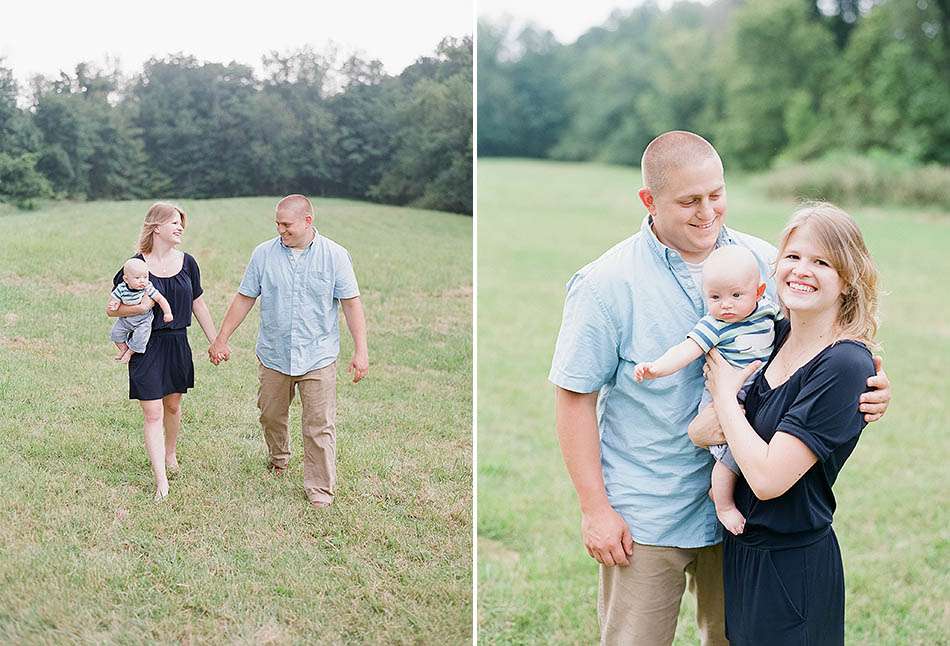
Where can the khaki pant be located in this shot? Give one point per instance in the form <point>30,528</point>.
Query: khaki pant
<point>318,401</point>
<point>639,603</point>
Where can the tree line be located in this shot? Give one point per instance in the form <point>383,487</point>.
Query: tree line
<point>193,129</point>
<point>768,82</point>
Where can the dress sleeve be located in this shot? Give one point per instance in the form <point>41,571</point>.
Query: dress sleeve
<point>587,353</point>
<point>825,413</point>
<point>195,274</point>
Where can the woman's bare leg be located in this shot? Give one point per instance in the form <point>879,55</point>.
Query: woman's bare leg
<point>172,406</point>
<point>153,412</point>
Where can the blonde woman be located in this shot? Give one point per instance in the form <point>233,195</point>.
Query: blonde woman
<point>165,371</point>
<point>784,581</point>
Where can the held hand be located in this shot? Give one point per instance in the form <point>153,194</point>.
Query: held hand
<point>874,403</point>
<point>359,366</point>
<point>168,318</point>
<point>643,371</point>
<point>722,379</point>
<point>219,351</point>
<point>607,537</point>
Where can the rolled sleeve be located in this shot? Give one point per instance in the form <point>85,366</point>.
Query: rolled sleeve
<point>344,284</point>
<point>586,354</point>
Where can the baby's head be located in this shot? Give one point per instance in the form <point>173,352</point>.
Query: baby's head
<point>135,273</point>
<point>731,283</point>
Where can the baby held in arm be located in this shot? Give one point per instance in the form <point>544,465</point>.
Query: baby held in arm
<point>740,324</point>
<point>131,333</point>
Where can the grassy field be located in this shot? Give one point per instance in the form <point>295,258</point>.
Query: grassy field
<point>540,221</point>
<point>233,555</point>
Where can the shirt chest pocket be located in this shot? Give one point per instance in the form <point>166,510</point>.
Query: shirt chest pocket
<point>317,301</point>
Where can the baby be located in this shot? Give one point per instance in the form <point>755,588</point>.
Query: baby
<point>131,333</point>
<point>740,324</point>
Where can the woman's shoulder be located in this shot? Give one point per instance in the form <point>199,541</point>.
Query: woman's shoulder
<point>847,356</point>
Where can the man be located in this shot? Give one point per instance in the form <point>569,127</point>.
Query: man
<point>300,277</point>
<point>641,483</point>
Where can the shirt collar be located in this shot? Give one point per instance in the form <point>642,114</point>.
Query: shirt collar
<point>316,235</point>
<point>662,251</point>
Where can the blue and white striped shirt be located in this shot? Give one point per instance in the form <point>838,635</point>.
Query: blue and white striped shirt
<point>130,296</point>
<point>740,342</point>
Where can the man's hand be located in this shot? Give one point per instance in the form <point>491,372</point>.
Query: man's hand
<point>874,403</point>
<point>704,430</point>
<point>359,366</point>
<point>219,351</point>
<point>607,537</point>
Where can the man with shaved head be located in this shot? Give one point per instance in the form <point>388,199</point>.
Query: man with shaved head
<point>641,482</point>
<point>301,277</point>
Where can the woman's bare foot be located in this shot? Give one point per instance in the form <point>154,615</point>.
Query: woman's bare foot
<point>171,465</point>
<point>731,520</point>
<point>161,492</point>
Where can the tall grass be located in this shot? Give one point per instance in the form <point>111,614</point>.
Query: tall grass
<point>538,222</point>
<point>862,180</point>
<point>233,555</point>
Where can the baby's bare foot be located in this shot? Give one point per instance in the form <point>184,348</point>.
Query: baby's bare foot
<point>731,520</point>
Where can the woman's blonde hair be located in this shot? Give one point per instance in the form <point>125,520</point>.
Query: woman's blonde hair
<point>158,214</point>
<point>840,238</point>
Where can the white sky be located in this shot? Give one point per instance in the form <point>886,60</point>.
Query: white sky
<point>44,36</point>
<point>566,20</point>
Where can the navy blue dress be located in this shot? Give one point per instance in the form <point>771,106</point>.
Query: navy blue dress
<point>166,367</point>
<point>783,576</point>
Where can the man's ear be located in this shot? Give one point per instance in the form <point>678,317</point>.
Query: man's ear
<point>760,291</point>
<point>646,196</point>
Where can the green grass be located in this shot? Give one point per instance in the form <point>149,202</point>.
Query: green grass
<point>233,555</point>
<point>538,222</point>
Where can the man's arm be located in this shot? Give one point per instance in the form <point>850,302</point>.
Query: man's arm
<point>219,350</point>
<point>676,358</point>
<point>606,535</point>
<point>356,322</point>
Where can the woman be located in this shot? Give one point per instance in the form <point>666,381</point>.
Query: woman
<point>784,582</point>
<point>159,377</point>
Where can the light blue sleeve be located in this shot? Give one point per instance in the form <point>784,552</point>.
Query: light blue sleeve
<point>344,282</point>
<point>251,283</point>
<point>587,352</point>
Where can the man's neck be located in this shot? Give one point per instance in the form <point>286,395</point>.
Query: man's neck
<point>304,245</point>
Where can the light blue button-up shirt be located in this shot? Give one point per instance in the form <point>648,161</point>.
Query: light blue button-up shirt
<point>299,296</point>
<point>631,305</point>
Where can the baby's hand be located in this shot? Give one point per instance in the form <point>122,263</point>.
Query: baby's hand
<point>168,318</point>
<point>113,305</point>
<point>643,371</point>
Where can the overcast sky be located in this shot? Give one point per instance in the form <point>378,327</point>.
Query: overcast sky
<point>566,20</point>
<point>44,36</point>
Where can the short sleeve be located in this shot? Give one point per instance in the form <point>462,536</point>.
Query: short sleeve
<point>344,282</point>
<point>251,282</point>
<point>195,274</point>
<point>706,333</point>
<point>117,278</point>
<point>586,355</point>
<point>825,415</point>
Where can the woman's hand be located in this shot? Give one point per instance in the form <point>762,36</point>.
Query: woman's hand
<point>724,381</point>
